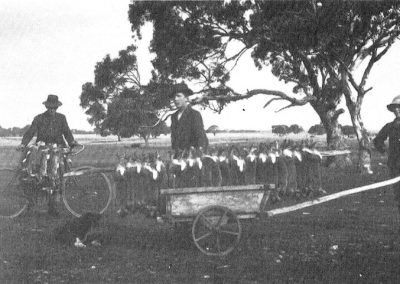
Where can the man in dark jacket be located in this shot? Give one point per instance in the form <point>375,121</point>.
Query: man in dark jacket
<point>50,127</point>
<point>392,131</point>
<point>187,127</point>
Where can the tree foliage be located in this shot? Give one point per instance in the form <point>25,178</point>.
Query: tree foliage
<point>117,103</point>
<point>348,130</point>
<point>295,128</point>
<point>280,129</point>
<point>213,129</point>
<point>317,129</point>
<point>284,129</point>
<point>315,45</point>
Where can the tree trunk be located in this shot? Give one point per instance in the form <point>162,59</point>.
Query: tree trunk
<point>364,151</point>
<point>333,132</point>
<point>354,106</point>
<point>146,140</point>
<point>329,116</point>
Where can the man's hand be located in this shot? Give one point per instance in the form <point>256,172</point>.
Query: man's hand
<point>20,147</point>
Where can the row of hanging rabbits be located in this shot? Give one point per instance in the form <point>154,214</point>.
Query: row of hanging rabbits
<point>290,169</point>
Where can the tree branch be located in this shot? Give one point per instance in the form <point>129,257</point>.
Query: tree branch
<point>310,70</point>
<point>366,73</point>
<point>162,118</point>
<point>271,100</point>
<point>229,95</point>
<point>337,113</point>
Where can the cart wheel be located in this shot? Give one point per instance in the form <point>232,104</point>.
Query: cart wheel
<point>216,230</point>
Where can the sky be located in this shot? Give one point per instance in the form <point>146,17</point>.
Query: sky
<point>52,46</point>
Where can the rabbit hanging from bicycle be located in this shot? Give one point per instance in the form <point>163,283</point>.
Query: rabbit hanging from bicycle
<point>41,170</point>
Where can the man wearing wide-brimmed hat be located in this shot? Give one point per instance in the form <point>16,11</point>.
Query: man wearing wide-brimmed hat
<point>187,127</point>
<point>50,127</point>
<point>392,131</point>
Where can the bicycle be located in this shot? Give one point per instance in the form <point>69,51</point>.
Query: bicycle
<point>83,189</point>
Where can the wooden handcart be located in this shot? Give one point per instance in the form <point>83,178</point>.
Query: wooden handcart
<point>215,213</point>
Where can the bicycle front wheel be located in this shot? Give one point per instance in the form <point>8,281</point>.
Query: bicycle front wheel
<point>12,197</point>
<point>88,192</point>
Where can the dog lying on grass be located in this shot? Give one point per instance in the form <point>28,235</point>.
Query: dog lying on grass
<point>76,231</point>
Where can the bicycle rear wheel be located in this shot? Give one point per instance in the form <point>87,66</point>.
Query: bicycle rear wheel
<point>12,197</point>
<point>88,192</point>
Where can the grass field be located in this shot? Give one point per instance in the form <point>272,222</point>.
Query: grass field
<point>354,239</point>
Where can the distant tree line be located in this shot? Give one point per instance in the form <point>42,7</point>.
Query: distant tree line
<point>215,129</point>
<point>13,131</point>
<point>77,131</point>
<point>17,131</point>
<point>282,129</point>
<point>319,129</point>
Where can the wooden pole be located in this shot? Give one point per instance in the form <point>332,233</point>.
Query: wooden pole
<point>330,153</point>
<point>87,171</point>
<point>331,197</point>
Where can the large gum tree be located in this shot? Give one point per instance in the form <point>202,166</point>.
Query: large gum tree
<point>315,45</point>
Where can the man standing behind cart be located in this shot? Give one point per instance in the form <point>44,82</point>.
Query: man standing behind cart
<point>50,127</point>
<point>392,131</point>
<point>187,127</point>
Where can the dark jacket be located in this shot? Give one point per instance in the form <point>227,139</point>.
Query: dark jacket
<point>49,129</point>
<point>188,130</point>
<point>391,130</point>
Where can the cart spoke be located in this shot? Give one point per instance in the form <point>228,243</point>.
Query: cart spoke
<point>203,237</point>
<point>218,244</point>
<point>229,232</point>
<point>206,222</point>
<point>221,218</point>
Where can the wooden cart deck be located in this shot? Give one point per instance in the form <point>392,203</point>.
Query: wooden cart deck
<point>183,204</point>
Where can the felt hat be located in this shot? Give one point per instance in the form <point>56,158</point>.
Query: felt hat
<point>52,101</point>
<point>180,88</point>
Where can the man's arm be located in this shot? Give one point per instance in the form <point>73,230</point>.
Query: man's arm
<point>379,140</point>
<point>67,132</point>
<point>199,132</point>
<point>30,132</point>
<point>173,134</point>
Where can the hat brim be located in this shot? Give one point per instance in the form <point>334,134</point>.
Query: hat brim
<point>47,104</point>
<point>180,88</point>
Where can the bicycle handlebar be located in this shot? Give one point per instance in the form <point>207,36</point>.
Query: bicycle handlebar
<point>64,150</point>
<point>77,152</point>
